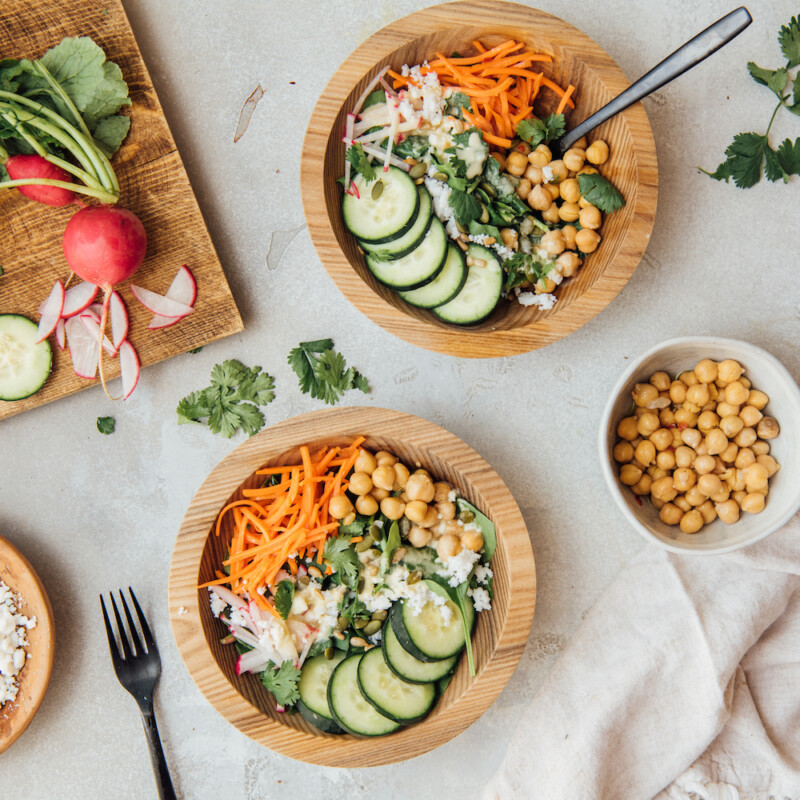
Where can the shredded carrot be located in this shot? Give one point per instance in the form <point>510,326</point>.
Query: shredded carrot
<point>565,99</point>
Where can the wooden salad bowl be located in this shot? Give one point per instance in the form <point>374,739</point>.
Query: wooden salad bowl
<point>499,636</point>
<point>17,573</point>
<point>632,167</point>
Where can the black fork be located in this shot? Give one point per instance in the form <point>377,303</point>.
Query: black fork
<point>138,668</point>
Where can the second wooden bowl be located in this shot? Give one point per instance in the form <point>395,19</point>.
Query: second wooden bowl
<point>499,636</point>
<point>512,328</point>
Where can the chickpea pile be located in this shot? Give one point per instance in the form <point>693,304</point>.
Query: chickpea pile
<point>424,508</point>
<point>550,186</point>
<point>698,445</point>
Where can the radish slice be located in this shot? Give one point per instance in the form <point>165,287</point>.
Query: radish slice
<point>61,335</point>
<point>93,326</point>
<point>51,311</point>
<point>84,348</point>
<point>119,320</point>
<point>78,299</point>
<point>159,304</point>
<point>183,289</point>
<point>129,367</point>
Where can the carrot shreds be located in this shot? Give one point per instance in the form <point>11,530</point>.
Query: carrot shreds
<point>478,46</point>
<point>557,89</point>
<point>565,99</point>
<point>498,140</point>
<point>501,50</point>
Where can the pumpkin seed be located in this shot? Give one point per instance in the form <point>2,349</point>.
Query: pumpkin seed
<point>358,624</point>
<point>303,581</point>
<point>377,189</point>
<point>489,189</point>
<point>364,544</point>
<point>418,170</point>
<point>466,516</point>
<point>440,176</point>
<point>361,584</point>
<point>462,228</point>
<point>381,615</point>
<point>373,627</point>
<point>376,532</point>
<point>330,652</point>
<point>414,577</point>
<point>405,527</point>
<point>343,623</point>
<point>419,181</point>
<point>484,214</point>
<point>357,641</point>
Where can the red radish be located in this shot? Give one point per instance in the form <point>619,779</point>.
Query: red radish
<point>119,320</point>
<point>92,324</point>
<point>159,303</point>
<point>183,289</point>
<point>34,166</point>
<point>51,311</point>
<point>61,334</point>
<point>129,367</point>
<point>78,298</point>
<point>84,348</point>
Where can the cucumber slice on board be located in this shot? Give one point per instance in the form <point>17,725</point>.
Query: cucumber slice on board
<point>393,697</point>
<point>403,245</point>
<point>313,688</point>
<point>445,286</point>
<point>427,635</point>
<point>386,217</point>
<point>480,294</point>
<point>411,669</point>
<point>24,365</point>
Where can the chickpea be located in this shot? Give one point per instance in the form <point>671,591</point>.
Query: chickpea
<point>400,476</point>
<point>539,198</point>
<point>541,156</point>
<point>721,497</point>
<point>708,512</point>
<point>501,160</point>
<point>448,546</point>
<point>441,491</point>
<point>738,497</point>
<point>707,421</point>
<point>726,410</point>
<point>746,437</point>
<point>757,399</point>
<point>574,158</point>
<point>744,458</point>
<point>581,144</point>
<point>755,477</point>
<point>677,391</point>
<point>550,214</point>
<point>569,232</point>
<point>590,217</point>
<point>384,457</point>
<point>392,507</point>
<point>684,417</point>
<point>559,171</point>
<point>728,371</point>
<point>728,455</point>
<point>768,428</point>
<point>516,163</point>
<point>684,456</point>
<point>472,540</point>
<point>683,478</point>
<point>698,394</point>
<point>524,186</point>
<point>340,506</point>
<point>691,521</point>
<point>731,425</point>
<point>420,487</point>
<point>627,428</point>
<point>510,238</point>
<point>446,510</point>
<point>568,263</point>
<point>737,480</point>
<point>670,514</point>
<point>568,212</point>
<point>760,448</point>
<point>702,449</point>
<point>588,170</point>
<point>431,517</point>
<point>587,240</point>
<point>367,505</point>
<point>750,416</point>
<point>360,483</point>
<point>753,503</point>
<point>416,510</point>
<point>644,393</point>
<point>706,370</point>
<point>745,382</point>
<point>522,147</point>
<point>667,417</point>
<point>570,191</point>
<point>661,438</point>
<point>656,473</point>
<point>657,504</point>
<point>645,452</point>
<point>553,242</point>
<point>554,190</point>
<point>419,537</point>
<point>709,484</point>
<point>665,460</point>
<point>691,437</point>
<point>735,393</point>
<point>703,465</point>
<point>694,497</point>
<point>660,380</point>
<point>728,511</point>
<point>544,286</point>
<point>648,423</point>
<point>769,463</point>
<point>384,476</point>
<point>716,441</point>
<point>623,452</point>
<point>597,152</point>
<point>689,377</point>
<point>379,494</point>
<point>365,462</point>
<point>682,503</point>
<point>629,474</point>
<point>533,175</point>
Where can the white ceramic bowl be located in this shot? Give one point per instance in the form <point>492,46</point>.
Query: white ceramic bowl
<point>767,374</point>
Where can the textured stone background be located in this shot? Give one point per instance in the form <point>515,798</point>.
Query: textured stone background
<point>721,261</point>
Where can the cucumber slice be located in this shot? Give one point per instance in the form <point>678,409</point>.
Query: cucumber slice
<point>417,268</point>
<point>445,286</point>
<point>24,365</point>
<point>479,295</point>
<point>393,697</point>
<point>387,217</point>
<point>348,706</point>
<point>411,669</point>
<point>403,245</point>
<point>426,635</point>
<point>313,688</point>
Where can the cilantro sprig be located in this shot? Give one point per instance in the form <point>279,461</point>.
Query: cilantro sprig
<point>541,131</point>
<point>323,373</point>
<point>282,682</point>
<point>106,425</point>
<point>343,559</point>
<point>361,164</point>
<point>599,191</point>
<point>750,155</point>
<point>284,597</point>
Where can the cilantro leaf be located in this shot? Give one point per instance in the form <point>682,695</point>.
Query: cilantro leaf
<point>789,40</point>
<point>361,164</point>
<point>772,166</point>
<point>353,608</point>
<point>284,597</point>
<point>789,156</point>
<point>412,147</point>
<point>456,103</point>
<point>323,373</point>
<point>745,155</point>
<point>282,682</point>
<point>537,131</point>
<point>106,425</point>
<point>526,268</point>
<point>773,79</point>
<point>466,207</point>
<point>343,559</point>
<point>193,407</point>
<point>599,191</point>
<point>795,106</point>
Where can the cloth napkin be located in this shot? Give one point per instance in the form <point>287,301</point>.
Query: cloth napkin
<point>682,683</point>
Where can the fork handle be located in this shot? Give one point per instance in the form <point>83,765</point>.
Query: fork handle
<point>165,788</point>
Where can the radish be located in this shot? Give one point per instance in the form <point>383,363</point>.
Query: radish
<point>26,167</point>
<point>61,334</point>
<point>119,320</point>
<point>51,311</point>
<point>183,289</point>
<point>78,298</point>
<point>160,304</point>
<point>129,368</point>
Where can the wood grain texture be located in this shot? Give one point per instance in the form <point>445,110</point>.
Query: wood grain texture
<point>154,186</point>
<point>499,637</point>
<point>512,328</point>
<point>17,573</point>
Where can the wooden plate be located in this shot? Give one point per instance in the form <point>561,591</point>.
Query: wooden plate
<point>577,59</point>
<point>154,186</point>
<point>499,637</point>
<point>17,573</point>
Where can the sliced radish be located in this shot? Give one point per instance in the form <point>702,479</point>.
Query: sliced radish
<point>84,348</point>
<point>119,320</point>
<point>61,334</point>
<point>93,326</point>
<point>160,304</point>
<point>129,367</point>
<point>183,289</point>
<point>78,298</point>
<point>51,311</point>
<point>95,310</point>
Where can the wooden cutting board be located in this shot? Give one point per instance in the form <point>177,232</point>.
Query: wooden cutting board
<point>154,186</point>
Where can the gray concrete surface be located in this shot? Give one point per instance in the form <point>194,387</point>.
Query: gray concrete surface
<point>721,261</point>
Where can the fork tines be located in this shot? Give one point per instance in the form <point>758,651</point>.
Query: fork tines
<point>131,648</point>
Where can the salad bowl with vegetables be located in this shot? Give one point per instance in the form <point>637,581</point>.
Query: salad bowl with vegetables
<point>352,587</point>
<point>435,200</point>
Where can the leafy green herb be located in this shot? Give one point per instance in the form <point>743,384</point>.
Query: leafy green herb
<point>750,155</point>
<point>541,131</point>
<point>466,207</point>
<point>412,147</point>
<point>343,559</point>
<point>458,596</point>
<point>353,608</point>
<point>390,545</point>
<point>282,682</point>
<point>232,400</point>
<point>323,373</point>
<point>476,229</point>
<point>284,597</point>
<point>361,164</point>
<point>525,268</point>
<point>358,527</point>
<point>196,350</point>
<point>599,191</point>
<point>106,425</point>
<point>456,103</point>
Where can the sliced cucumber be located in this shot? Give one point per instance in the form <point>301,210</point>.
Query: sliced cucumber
<point>403,245</point>
<point>426,635</point>
<point>386,217</point>
<point>393,697</point>
<point>445,286</point>
<point>411,669</point>
<point>24,365</point>
<point>349,708</point>
<point>313,688</point>
<point>417,268</point>
<point>481,292</point>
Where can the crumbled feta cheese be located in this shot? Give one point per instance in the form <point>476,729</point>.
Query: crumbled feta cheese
<point>218,605</point>
<point>547,174</point>
<point>13,627</point>
<point>424,93</point>
<point>545,301</point>
<point>183,611</point>
<point>458,567</point>
<point>480,599</point>
<point>452,495</point>
<point>483,572</point>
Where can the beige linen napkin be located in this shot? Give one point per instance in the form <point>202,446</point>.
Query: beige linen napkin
<point>683,682</point>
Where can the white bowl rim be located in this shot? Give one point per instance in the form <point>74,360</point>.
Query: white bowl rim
<point>605,464</point>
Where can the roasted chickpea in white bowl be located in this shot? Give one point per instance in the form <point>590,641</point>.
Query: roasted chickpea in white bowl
<point>700,444</point>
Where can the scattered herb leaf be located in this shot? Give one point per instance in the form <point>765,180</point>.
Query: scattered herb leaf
<point>282,682</point>
<point>106,425</point>
<point>361,164</point>
<point>343,559</point>
<point>284,597</point>
<point>323,373</point>
<point>541,131</point>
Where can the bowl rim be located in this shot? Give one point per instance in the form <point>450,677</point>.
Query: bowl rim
<point>478,693</point>
<point>461,341</point>
<point>603,434</point>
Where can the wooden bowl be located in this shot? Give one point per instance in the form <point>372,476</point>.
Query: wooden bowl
<point>17,573</point>
<point>499,636</point>
<point>512,328</point>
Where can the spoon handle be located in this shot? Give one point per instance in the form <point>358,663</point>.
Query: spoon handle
<point>682,60</point>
